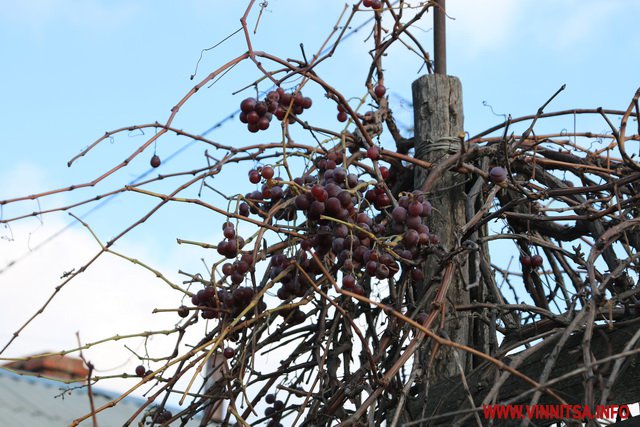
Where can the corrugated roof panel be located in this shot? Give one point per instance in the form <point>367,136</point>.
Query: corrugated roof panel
<point>32,402</point>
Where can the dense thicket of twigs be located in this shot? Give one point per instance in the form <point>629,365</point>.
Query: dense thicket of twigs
<point>323,262</point>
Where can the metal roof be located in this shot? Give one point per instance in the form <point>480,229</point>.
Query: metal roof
<point>31,402</point>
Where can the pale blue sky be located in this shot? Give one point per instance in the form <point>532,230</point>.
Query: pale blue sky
<point>72,69</point>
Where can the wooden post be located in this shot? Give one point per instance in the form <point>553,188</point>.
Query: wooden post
<point>439,122</point>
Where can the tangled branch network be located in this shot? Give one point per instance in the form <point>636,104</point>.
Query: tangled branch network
<point>334,261</point>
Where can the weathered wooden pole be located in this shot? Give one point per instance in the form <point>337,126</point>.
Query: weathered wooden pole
<point>438,135</point>
<point>439,121</point>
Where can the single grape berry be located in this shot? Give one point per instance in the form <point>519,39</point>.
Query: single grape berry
<point>155,161</point>
<point>229,232</point>
<point>525,260</point>
<point>261,108</point>
<point>140,370</point>
<point>183,311</point>
<point>254,176</point>
<point>248,105</point>
<point>270,398</point>
<point>267,172</point>
<point>384,172</point>
<point>536,261</point>
<point>399,214</point>
<point>348,281</point>
<point>263,123</point>
<point>319,193</point>
<point>497,175</point>
<point>373,153</point>
<point>229,352</point>
<point>380,90</point>
<point>342,116</point>
<point>227,269</point>
<point>417,274</point>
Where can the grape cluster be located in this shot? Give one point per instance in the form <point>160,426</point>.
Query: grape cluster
<point>257,115</point>
<point>214,302</point>
<point>274,411</point>
<point>341,223</point>
<point>347,224</point>
<point>231,245</point>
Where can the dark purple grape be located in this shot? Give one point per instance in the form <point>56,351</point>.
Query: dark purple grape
<point>227,268</point>
<point>497,175</point>
<point>155,161</point>
<point>364,218</point>
<point>386,258</point>
<point>417,274</point>
<point>248,105</point>
<point>536,261</point>
<point>382,201</point>
<point>260,107</point>
<point>415,208</point>
<point>316,210</point>
<point>341,230</point>
<point>140,371</point>
<point>414,222</point>
<point>426,208</point>
<point>372,267</point>
<point>333,206</point>
<point>399,214</point>
<point>229,232</point>
<point>337,245</point>
<point>371,196</point>
<point>302,202</point>
<point>357,289</point>
<point>352,180</point>
<point>349,281</point>
<point>263,123</point>
<point>382,272</point>
<point>411,238</point>
<point>253,118</point>
<point>339,175</point>
<point>319,193</point>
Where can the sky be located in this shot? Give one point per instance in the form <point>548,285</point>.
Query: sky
<point>73,69</point>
